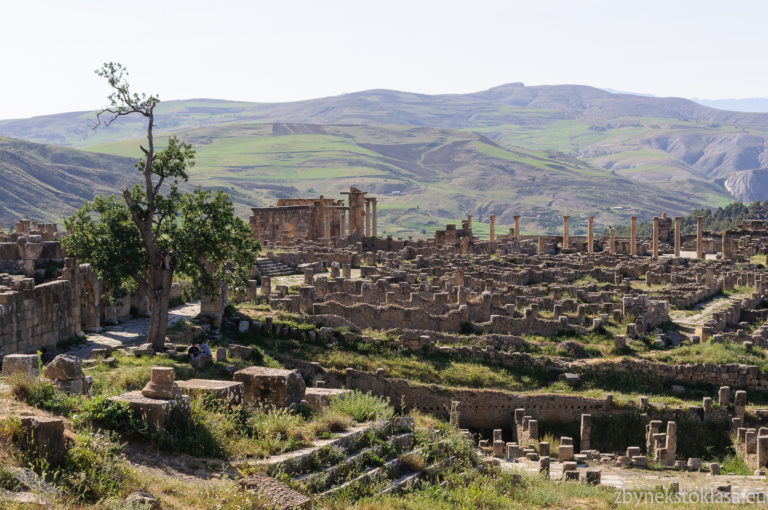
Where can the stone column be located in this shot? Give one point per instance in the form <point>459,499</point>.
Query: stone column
<point>671,442</point>
<point>740,403</point>
<point>566,219</point>
<point>590,224</point>
<point>699,237</point>
<point>328,222</point>
<point>266,286</point>
<point>724,395</point>
<point>612,241</point>
<point>678,222</point>
<point>469,221</point>
<point>367,217</point>
<point>342,225</point>
<point>305,295</point>
<point>374,232</point>
<point>655,237</point>
<point>725,244</point>
<point>762,451</point>
<point>492,220</point>
<point>586,431</point>
<point>454,416</point>
<point>633,236</point>
<point>540,246</point>
<point>517,227</point>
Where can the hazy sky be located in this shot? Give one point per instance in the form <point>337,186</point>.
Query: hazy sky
<point>287,50</point>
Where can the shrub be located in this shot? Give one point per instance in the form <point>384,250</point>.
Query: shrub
<point>277,422</point>
<point>92,469</point>
<point>362,406</point>
<point>10,430</point>
<point>8,479</point>
<point>110,415</point>
<point>40,393</point>
<point>330,422</point>
<point>411,463</point>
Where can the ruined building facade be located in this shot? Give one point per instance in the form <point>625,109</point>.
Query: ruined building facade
<point>293,219</point>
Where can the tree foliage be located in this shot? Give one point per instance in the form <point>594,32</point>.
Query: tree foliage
<point>203,228</point>
<point>157,230</point>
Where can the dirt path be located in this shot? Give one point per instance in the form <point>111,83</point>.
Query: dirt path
<point>131,331</point>
<point>704,310</point>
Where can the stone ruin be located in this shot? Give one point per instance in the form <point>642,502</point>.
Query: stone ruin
<point>456,294</point>
<point>308,219</point>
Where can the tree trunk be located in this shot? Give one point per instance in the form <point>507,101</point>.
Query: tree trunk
<point>159,297</point>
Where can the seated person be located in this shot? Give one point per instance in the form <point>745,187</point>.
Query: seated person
<point>200,351</point>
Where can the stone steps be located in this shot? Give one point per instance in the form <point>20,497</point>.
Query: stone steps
<point>271,268</point>
<point>331,475</point>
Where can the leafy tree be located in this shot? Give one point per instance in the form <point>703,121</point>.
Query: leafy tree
<point>156,231</point>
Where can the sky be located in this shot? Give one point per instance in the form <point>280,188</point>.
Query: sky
<point>286,50</point>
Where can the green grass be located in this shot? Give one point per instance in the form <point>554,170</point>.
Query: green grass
<point>496,489</point>
<point>711,352</point>
<point>361,406</point>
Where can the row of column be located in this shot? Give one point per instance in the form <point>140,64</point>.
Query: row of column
<point>370,228</point>
<point>633,236</point>
<point>612,245</point>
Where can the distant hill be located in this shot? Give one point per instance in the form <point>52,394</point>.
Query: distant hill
<point>644,138</point>
<point>424,176</point>
<point>671,153</point>
<point>44,182</point>
<point>749,104</point>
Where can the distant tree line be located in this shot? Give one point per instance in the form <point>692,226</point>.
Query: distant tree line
<point>715,220</point>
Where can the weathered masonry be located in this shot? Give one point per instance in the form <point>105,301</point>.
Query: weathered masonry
<point>315,218</point>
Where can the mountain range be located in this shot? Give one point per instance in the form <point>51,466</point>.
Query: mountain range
<point>540,151</point>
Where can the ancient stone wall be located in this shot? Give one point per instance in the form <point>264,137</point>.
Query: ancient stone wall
<point>35,317</point>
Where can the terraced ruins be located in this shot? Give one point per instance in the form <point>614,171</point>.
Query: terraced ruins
<point>356,370</point>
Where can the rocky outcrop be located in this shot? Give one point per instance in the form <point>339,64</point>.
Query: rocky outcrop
<point>748,185</point>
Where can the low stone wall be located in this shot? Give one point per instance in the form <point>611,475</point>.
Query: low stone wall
<point>738,376</point>
<point>481,409</point>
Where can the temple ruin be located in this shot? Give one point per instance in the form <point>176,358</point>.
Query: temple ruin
<point>310,219</point>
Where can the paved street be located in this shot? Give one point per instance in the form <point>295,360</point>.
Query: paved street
<point>130,332</point>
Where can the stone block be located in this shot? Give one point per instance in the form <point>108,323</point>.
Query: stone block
<point>144,350</point>
<point>498,448</point>
<point>44,437</point>
<point>318,398</point>
<point>155,411</point>
<point>565,452</point>
<point>75,386</point>
<point>593,477</point>
<point>202,361</point>
<point>230,392</point>
<point>571,379</point>
<point>274,386</point>
<point>240,351</point>
<point>64,367</point>
<point>24,364</point>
